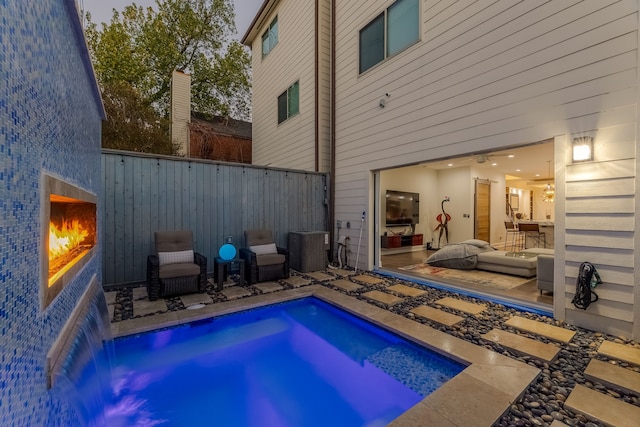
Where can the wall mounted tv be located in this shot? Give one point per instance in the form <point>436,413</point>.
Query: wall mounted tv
<point>402,208</point>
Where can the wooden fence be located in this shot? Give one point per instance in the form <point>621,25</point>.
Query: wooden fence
<point>146,193</point>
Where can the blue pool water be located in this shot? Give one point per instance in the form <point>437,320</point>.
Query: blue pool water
<point>301,363</point>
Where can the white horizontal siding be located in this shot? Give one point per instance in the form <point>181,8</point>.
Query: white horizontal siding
<point>291,143</point>
<point>487,75</point>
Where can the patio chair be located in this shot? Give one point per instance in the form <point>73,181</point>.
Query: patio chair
<point>263,259</point>
<point>175,268</point>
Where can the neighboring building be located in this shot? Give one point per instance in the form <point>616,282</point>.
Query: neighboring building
<point>410,81</point>
<point>198,136</point>
<point>220,138</point>
<point>50,169</point>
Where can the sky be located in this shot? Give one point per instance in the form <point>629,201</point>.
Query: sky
<point>101,10</point>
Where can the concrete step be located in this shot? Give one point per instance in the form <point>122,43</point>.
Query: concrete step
<point>616,377</point>
<point>436,315</point>
<point>622,352</point>
<point>555,333</point>
<point>601,407</point>
<point>467,307</point>
<point>523,345</point>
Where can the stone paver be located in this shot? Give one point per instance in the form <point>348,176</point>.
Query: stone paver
<point>369,280</point>
<point>297,281</point>
<point>192,299</point>
<point>235,292</point>
<point>383,297</point>
<point>318,275</point>
<point>140,293</point>
<point>343,273</point>
<point>467,307</point>
<point>522,344</point>
<point>558,423</point>
<point>110,297</point>
<point>406,290</point>
<point>543,329</point>
<point>620,352</point>
<point>596,405</point>
<point>345,284</point>
<point>436,315</point>
<point>268,287</point>
<point>144,307</point>
<point>614,376</point>
<point>225,284</point>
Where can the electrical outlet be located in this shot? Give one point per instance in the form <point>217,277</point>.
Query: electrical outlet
<point>348,224</point>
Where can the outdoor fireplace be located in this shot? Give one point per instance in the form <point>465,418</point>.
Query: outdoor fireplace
<point>69,234</point>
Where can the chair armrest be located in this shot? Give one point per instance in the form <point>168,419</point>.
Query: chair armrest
<point>153,277</point>
<point>283,251</point>
<point>248,255</point>
<point>201,261</point>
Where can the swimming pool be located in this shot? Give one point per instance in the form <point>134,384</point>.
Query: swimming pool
<point>298,363</point>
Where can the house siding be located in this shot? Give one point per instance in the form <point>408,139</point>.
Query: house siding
<point>291,142</point>
<point>486,76</point>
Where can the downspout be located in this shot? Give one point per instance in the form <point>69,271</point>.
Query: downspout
<point>332,131</point>
<point>317,87</point>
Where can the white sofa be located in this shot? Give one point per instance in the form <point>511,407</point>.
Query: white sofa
<point>524,263</point>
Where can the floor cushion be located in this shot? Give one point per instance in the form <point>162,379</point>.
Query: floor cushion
<point>461,256</point>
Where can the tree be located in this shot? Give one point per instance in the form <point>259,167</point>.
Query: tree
<point>135,54</point>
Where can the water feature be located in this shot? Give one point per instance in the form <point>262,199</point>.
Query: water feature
<point>297,363</point>
<point>79,362</point>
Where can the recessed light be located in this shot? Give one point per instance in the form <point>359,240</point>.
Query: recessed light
<point>517,170</point>
<point>494,164</point>
<point>450,164</point>
<point>537,174</point>
<point>511,156</point>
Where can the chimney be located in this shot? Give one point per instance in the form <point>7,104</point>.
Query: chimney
<point>181,111</point>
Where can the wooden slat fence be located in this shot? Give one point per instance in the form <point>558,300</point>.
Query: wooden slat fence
<point>144,193</point>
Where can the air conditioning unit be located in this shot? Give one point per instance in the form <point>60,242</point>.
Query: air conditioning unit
<point>308,250</point>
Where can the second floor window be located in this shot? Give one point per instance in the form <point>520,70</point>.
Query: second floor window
<point>270,37</point>
<point>289,102</point>
<point>395,29</point>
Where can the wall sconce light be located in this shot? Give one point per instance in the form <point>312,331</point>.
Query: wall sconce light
<point>583,149</point>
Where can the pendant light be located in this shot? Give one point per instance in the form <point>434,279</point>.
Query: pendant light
<point>549,192</point>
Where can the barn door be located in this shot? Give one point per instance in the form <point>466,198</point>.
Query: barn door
<point>482,220</point>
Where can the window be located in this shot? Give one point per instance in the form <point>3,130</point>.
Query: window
<point>270,37</point>
<point>397,28</point>
<point>289,103</point>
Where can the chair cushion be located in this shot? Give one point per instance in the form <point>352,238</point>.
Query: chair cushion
<point>270,259</point>
<point>258,237</point>
<point>269,248</point>
<point>178,257</point>
<point>168,271</point>
<point>172,241</point>
<point>477,243</point>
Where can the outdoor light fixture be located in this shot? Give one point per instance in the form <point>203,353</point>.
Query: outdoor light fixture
<point>583,149</point>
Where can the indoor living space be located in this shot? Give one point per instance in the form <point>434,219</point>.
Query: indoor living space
<point>494,197</point>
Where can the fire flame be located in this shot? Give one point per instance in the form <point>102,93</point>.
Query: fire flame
<point>63,240</point>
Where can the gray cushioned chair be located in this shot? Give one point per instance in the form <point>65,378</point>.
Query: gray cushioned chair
<point>263,260</point>
<point>545,272</point>
<point>175,268</point>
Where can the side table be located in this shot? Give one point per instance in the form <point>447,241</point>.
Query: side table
<point>221,268</point>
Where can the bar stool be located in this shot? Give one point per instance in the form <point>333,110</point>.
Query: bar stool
<point>515,233</point>
<point>533,230</point>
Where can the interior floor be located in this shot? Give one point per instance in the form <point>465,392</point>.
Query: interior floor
<point>527,292</point>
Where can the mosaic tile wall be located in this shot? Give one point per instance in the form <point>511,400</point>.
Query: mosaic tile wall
<point>49,121</point>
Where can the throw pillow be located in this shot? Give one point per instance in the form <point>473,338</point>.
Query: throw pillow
<point>178,257</point>
<point>476,243</point>
<point>269,248</point>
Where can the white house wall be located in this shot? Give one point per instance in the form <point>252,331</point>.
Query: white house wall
<point>292,142</point>
<point>490,75</point>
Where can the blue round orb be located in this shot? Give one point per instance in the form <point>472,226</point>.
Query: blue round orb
<point>227,251</point>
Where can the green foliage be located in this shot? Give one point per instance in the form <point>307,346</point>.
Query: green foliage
<point>135,54</point>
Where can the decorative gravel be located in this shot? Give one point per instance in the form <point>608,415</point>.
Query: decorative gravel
<point>541,404</point>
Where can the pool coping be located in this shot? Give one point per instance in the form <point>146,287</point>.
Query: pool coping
<point>479,395</point>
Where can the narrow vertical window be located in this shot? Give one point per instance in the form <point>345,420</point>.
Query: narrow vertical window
<point>289,102</point>
<point>270,37</point>
<point>372,43</point>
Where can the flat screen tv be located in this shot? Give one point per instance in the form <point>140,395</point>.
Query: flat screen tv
<point>402,208</point>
